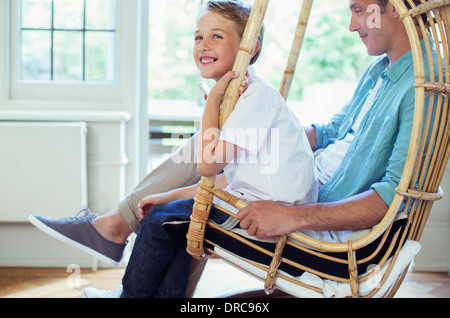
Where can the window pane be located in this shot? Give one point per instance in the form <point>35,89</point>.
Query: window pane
<point>68,14</point>
<point>100,55</point>
<point>36,56</point>
<point>172,71</point>
<point>68,55</point>
<point>36,13</point>
<point>71,41</point>
<point>100,14</point>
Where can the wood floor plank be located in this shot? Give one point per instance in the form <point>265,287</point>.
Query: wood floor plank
<point>20,282</point>
<point>54,282</point>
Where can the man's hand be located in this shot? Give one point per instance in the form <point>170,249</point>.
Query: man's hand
<point>265,219</point>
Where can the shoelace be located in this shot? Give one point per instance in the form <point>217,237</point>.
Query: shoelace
<point>87,213</point>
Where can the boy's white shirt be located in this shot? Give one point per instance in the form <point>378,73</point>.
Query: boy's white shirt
<point>276,162</point>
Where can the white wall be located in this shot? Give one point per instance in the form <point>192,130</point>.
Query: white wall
<point>116,139</point>
<point>435,253</point>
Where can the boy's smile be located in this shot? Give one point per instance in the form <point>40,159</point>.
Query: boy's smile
<point>216,45</point>
<point>207,60</point>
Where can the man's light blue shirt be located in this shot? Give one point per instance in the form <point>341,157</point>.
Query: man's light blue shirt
<point>377,155</point>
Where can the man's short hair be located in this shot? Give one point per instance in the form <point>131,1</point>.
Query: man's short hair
<point>383,4</point>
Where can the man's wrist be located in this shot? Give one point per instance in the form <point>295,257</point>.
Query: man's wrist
<point>302,216</point>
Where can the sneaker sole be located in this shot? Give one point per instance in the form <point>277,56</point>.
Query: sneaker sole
<point>90,292</point>
<point>41,226</point>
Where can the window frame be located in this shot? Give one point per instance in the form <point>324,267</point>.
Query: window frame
<point>84,30</point>
<point>78,90</point>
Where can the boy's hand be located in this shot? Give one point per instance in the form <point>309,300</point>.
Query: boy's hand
<point>218,91</point>
<point>244,84</point>
<point>242,88</point>
<point>149,202</point>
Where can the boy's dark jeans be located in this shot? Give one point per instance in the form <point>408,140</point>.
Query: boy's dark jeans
<point>156,267</point>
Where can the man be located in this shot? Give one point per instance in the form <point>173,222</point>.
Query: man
<point>351,206</point>
<point>375,142</point>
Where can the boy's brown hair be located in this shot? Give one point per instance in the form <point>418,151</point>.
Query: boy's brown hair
<point>237,11</point>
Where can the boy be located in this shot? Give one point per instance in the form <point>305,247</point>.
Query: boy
<point>256,148</point>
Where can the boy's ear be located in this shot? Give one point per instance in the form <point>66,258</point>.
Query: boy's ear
<point>257,47</point>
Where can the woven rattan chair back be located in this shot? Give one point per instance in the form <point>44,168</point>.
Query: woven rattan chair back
<point>427,158</point>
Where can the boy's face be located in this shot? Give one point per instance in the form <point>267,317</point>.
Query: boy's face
<point>216,45</point>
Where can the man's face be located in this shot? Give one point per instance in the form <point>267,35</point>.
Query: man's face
<point>372,23</point>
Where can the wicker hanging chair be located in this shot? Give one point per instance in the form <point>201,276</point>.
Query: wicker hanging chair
<point>415,195</point>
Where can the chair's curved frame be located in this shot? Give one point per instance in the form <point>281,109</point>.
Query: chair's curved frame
<point>425,164</point>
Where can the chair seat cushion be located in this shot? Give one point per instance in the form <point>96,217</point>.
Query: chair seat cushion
<point>177,232</point>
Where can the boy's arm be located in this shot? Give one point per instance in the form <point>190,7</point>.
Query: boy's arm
<point>153,200</point>
<point>214,154</point>
<point>311,134</point>
<point>188,192</point>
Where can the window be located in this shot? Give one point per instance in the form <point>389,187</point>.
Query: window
<point>77,51</point>
<point>172,71</point>
<point>67,40</point>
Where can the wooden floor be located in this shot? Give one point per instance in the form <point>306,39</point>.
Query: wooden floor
<point>20,282</point>
<point>60,283</point>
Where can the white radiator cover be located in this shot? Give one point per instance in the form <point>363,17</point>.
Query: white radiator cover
<point>42,169</point>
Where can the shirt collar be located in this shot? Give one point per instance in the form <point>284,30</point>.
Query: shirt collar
<point>253,76</point>
<point>379,68</point>
<point>396,70</point>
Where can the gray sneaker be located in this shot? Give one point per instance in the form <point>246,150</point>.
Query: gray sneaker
<point>79,232</point>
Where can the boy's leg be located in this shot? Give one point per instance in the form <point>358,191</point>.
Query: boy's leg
<point>156,267</point>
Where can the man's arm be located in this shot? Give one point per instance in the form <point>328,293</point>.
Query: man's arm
<point>265,219</point>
